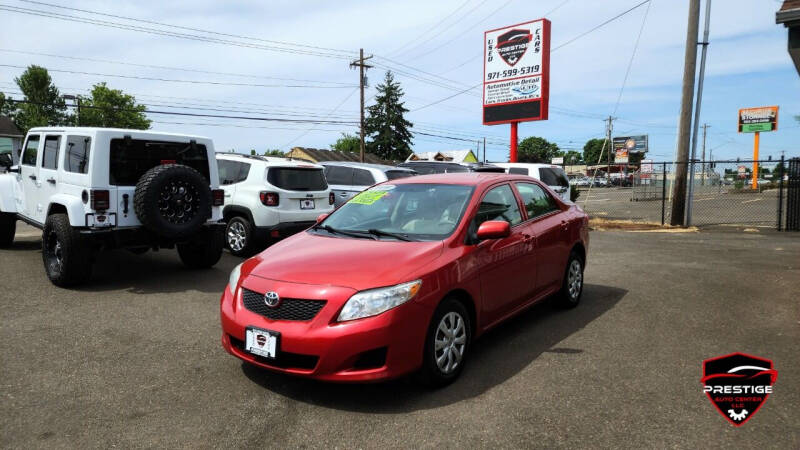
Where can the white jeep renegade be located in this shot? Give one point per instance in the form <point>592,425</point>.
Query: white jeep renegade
<point>99,188</point>
<point>269,198</point>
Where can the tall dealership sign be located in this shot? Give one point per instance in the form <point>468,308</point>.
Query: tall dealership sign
<point>756,120</point>
<point>516,75</point>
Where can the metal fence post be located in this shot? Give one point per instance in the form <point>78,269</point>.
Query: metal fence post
<point>780,195</point>
<point>663,190</point>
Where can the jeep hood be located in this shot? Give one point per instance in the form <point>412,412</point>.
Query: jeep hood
<point>342,261</point>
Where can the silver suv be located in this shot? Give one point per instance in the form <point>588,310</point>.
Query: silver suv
<point>90,189</point>
<point>347,179</point>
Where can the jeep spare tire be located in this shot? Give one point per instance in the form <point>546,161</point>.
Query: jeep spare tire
<point>172,200</point>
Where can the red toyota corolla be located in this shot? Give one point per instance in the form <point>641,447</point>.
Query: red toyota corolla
<point>404,277</point>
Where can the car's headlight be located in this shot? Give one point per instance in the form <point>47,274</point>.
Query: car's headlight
<point>236,273</point>
<point>375,301</point>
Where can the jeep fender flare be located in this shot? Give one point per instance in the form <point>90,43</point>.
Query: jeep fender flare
<point>236,210</point>
<point>7,188</point>
<point>75,209</point>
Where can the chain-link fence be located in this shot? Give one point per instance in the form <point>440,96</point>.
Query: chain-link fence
<point>723,192</point>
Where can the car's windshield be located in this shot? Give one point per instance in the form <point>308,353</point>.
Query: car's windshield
<point>418,211</point>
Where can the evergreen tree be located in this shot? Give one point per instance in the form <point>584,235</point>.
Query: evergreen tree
<point>44,105</point>
<point>386,128</point>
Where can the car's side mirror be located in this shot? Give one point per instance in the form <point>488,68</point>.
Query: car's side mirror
<point>14,169</point>
<point>321,217</point>
<point>494,229</point>
<point>6,160</point>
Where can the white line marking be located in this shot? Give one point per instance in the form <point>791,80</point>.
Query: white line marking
<point>753,200</point>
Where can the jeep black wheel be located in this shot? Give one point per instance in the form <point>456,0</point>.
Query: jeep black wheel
<point>239,236</point>
<point>172,200</point>
<point>8,227</point>
<point>66,255</point>
<point>447,344</point>
<point>204,250</point>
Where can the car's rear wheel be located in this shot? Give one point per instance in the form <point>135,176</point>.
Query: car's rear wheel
<point>572,286</point>
<point>204,250</point>
<point>8,227</point>
<point>447,343</point>
<point>66,255</point>
<point>239,236</point>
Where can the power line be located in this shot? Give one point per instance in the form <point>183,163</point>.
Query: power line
<point>170,80</point>
<point>183,69</point>
<point>633,55</point>
<point>330,113</point>
<point>599,26</point>
<point>293,44</point>
<point>398,50</point>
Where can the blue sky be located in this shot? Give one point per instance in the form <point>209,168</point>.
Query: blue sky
<point>747,66</point>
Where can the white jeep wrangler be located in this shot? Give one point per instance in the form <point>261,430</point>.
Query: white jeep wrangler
<point>100,188</point>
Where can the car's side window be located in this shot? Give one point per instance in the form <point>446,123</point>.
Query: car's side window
<point>50,152</point>
<point>78,150</point>
<point>518,170</point>
<point>228,171</point>
<point>362,177</point>
<point>31,150</point>
<point>339,175</point>
<point>244,172</point>
<point>537,202</point>
<point>499,204</point>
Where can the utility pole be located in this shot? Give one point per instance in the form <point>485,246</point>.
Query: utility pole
<point>362,81</point>
<point>609,128</point>
<point>484,149</point>
<point>703,174</point>
<point>704,43</point>
<point>684,135</point>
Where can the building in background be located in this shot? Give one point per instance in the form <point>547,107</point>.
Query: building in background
<point>458,156</point>
<point>10,138</point>
<point>789,16</point>
<point>316,155</point>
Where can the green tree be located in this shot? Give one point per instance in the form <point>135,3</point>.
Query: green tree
<point>43,103</point>
<point>347,143</point>
<point>273,152</point>
<point>535,149</point>
<point>386,126</point>
<point>572,157</point>
<point>111,108</point>
<point>591,151</point>
<point>7,106</point>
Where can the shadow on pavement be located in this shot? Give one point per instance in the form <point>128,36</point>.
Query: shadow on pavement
<point>497,356</point>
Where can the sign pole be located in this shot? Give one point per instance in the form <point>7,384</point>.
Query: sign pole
<point>513,155</point>
<point>755,160</point>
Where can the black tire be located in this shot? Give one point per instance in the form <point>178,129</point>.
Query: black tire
<point>172,200</point>
<point>239,236</point>
<point>8,227</point>
<point>572,287</point>
<point>431,372</point>
<point>204,250</point>
<point>66,255</point>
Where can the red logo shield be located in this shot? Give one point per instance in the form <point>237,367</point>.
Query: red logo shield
<point>512,44</point>
<point>738,384</point>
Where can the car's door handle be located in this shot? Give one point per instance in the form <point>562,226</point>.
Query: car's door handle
<point>527,238</point>
<point>32,177</point>
<point>343,194</point>
<point>564,225</point>
<point>51,180</point>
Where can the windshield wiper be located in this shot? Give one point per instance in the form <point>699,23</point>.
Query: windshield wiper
<point>330,229</point>
<point>402,237</point>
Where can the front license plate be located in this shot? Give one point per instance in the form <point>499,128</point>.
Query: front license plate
<point>307,204</point>
<point>261,342</point>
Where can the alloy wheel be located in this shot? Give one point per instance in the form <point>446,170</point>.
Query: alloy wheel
<point>574,279</point>
<point>178,201</point>
<point>237,236</point>
<point>450,342</point>
<point>55,254</point>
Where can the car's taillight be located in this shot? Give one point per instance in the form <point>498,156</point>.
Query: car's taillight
<point>331,198</point>
<point>100,200</point>
<point>269,198</point>
<point>217,197</point>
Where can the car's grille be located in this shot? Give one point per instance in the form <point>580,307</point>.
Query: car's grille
<point>288,309</point>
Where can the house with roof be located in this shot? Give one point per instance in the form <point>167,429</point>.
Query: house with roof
<point>459,156</point>
<point>316,155</point>
<point>789,16</point>
<point>10,138</point>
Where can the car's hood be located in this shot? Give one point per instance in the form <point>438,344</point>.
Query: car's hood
<point>342,261</point>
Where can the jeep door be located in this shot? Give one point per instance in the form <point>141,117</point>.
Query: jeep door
<point>48,174</point>
<point>27,192</point>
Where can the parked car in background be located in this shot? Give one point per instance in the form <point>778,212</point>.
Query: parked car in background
<point>269,198</point>
<point>551,175</point>
<point>404,277</point>
<point>91,189</point>
<point>431,167</point>
<point>347,179</point>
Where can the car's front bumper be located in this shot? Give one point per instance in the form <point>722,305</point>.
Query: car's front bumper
<point>371,349</point>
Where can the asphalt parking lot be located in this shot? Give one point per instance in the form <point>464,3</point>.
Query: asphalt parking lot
<point>134,360</point>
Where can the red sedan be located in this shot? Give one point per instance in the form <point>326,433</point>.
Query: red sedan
<point>404,277</point>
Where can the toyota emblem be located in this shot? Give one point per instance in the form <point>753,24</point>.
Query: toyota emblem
<point>272,299</point>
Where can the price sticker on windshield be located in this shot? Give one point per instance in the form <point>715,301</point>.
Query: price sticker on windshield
<point>368,197</point>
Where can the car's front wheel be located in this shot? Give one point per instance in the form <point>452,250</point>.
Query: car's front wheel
<point>66,255</point>
<point>239,236</point>
<point>447,344</point>
<point>572,286</point>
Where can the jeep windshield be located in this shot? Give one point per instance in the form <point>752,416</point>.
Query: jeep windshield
<point>411,211</point>
<point>131,158</point>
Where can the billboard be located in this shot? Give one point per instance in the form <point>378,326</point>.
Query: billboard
<point>624,145</point>
<point>516,73</point>
<point>752,120</point>
<point>557,160</point>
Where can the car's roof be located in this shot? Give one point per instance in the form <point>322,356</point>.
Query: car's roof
<point>381,167</point>
<point>268,160</point>
<point>93,130</point>
<point>463,178</point>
